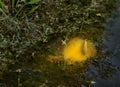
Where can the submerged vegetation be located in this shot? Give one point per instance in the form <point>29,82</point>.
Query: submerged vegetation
<point>34,32</point>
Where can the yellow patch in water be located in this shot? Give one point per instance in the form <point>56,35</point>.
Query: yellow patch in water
<point>78,50</point>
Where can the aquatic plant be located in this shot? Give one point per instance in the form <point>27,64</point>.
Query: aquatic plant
<point>78,50</point>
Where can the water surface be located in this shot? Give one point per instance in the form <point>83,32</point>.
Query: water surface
<point>112,43</point>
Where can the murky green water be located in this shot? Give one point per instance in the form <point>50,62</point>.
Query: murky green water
<point>33,69</point>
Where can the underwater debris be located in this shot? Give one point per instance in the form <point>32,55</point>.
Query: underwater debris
<point>78,50</point>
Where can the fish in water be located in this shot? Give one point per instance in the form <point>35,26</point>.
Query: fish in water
<point>78,50</point>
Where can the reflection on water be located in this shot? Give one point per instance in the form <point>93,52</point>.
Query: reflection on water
<point>112,42</point>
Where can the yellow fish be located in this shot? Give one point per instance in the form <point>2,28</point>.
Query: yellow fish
<point>78,50</point>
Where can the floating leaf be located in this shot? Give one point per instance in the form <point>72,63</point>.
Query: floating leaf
<point>98,14</point>
<point>93,82</point>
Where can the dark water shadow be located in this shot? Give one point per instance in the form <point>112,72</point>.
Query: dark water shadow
<point>111,40</point>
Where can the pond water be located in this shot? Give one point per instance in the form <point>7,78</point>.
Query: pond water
<point>32,69</point>
<point>112,42</point>
<point>100,72</point>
